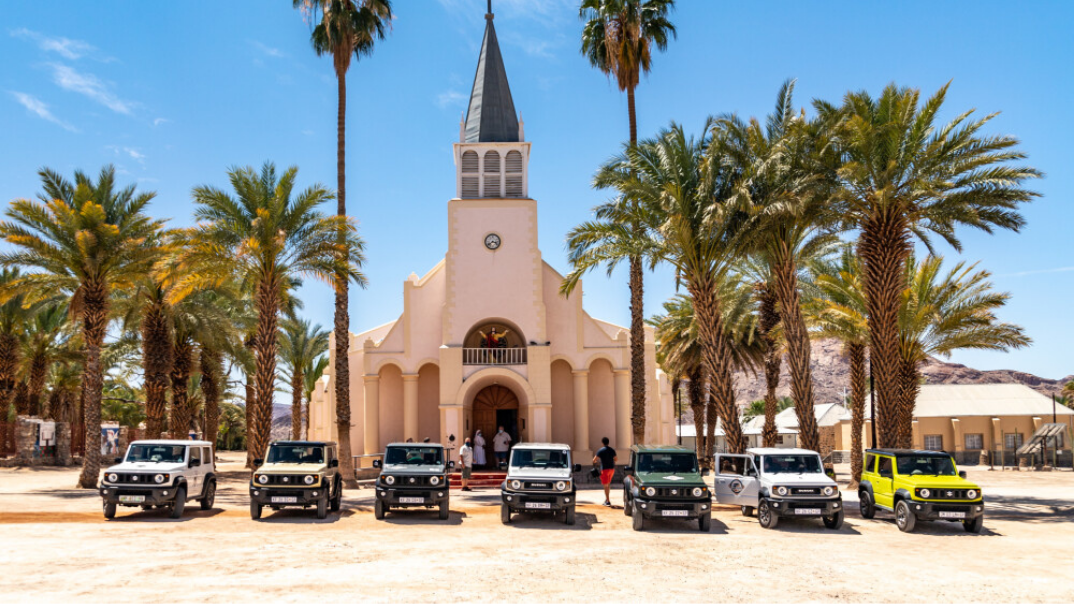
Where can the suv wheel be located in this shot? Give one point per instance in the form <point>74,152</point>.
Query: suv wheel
<point>975,525</point>
<point>180,503</point>
<point>639,520</point>
<point>255,510</point>
<point>835,521</point>
<point>704,522</point>
<point>628,505</point>
<point>505,514</point>
<point>747,511</point>
<point>210,496</point>
<point>444,510</point>
<point>337,500</point>
<point>379,510</point>
<point>322,507</point>
<point>109,510</point>
<point>766,516</point>
<point>904,517</point>
<point>568,516</point>
<point>866,504</point>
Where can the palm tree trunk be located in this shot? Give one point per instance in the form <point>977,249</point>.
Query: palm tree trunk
<point>697,406</point>
<point>296,403</point>
<point>182,414</point>
<point>9,364</point>
<point>211,368</point>
<point>716,357</point>
<point>157,360</point>
<point>251,413</point>
<point>768,319</point>
<point>632,115</point>
<point>856,352</point>
<point>884,247</point>
<point>799,349</point>
<point>38,375</point>
<point>342,317</point>
<point>910,387</point>
<point>637,350</point>
<point>94,327</point>
<point>22,398</point>
<point>266,347</point>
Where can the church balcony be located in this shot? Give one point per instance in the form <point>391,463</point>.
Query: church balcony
<point>493,356</point>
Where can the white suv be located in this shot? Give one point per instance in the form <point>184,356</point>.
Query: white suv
<point>778,482</point>
<point>539,479</point>
<point>161,474</point>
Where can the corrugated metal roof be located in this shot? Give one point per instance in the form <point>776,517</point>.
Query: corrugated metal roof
<point>992,400</point>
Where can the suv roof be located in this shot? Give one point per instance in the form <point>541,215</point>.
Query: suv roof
<point>662,448</point>
<point>780,451</point>
<point>900,452</point>
<point>415,445</point>
<point>304,443</point>
<point>559,446</point>
<point>163,441</point>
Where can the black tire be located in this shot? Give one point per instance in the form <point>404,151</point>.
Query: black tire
<point>628,506</point>
<point>974,526</point>
<point>835,521</point>
<point>639,519</point>
<point>322,507</point>
<point>109,510</point>
<point>210,496</point>
<point>568,516</point>
<point>747,511</point>
<point>866,505</point>
<point>766,516</point>
<point>379,509</point>
<point>704,522</point>
<point>505,514</point>
<point>904,517</point>
<point>180,503</point>
<point>255,510</point>
<point>337,500</point>
<point>444,510</point>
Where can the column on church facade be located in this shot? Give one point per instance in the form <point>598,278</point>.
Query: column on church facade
<point>581,411</point>
<point>371,424</point>
<point>623,428</point>
<point>410,406</point>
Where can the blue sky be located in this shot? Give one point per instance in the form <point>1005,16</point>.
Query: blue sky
<point>176,94</point>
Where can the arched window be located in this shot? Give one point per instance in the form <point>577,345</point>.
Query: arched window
<point>513,176</point>
<point>492,174</point>
<point>470,177</point>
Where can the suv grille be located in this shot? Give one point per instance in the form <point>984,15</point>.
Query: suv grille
<point>285,480</point>
<point>947,494</point>
<point>415,481</point>
<point>676,493</point>
<point>808,491</point>
<point>539,485</point>
<point>136,478</point>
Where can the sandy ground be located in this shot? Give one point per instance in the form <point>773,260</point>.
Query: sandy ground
<point>56,546</point>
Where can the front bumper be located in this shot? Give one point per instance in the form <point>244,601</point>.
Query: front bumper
<point>941,511</point>
<point>805,508</point>
<point>661,508</point>
<point>401,497</point>
<point>542,501</point>
<point>128,496</point>
<point>295,497</point>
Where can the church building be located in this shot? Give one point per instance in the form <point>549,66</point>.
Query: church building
<point>485,339</point>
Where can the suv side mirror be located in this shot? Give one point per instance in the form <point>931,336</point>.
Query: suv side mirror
<point>376,463</point>
<point>704,471</point>
<point>118,460</point>
<point>751,472</point>
<point>962,473</point>
<point>577,467</point>
<point>259,462</point>
<point>334,463</point>
<point>451,465</point>
<point>195,463</point>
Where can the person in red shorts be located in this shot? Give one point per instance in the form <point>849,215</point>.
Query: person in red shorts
<point>606,458</point>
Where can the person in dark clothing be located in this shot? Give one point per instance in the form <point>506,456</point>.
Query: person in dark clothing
<point>606,458</point>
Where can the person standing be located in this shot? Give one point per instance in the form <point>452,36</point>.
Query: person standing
<point>501,444</point>
<point>479,450</point>
<point>466,458</point>
<point>606,458</point>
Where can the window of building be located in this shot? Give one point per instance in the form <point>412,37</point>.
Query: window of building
<point>974,442</point>
<point>513,174</point>
<point>470,182</point>
<point>1012,441</point>
<point>933,442</point>
<point>492,175</point>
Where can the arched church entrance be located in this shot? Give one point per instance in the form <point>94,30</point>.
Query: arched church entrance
<point>495,406</point>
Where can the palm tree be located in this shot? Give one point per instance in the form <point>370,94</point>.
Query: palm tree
<point>87,240</point>
<point>267,238</point>
<point>46,342</point>
<point>232,429</point>
<point>147,312</point>
<point>311,375</point>
<point>904,175</point>
<point>618,38</point>
<point>760,407</point>
<point>13,317</point>
<point>943,312</point>
<point>347,29</point>
<point>676,335</point>
<point>200,319</point>
<point>301,346</point>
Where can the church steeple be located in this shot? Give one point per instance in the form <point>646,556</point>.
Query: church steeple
<point>491,117</point>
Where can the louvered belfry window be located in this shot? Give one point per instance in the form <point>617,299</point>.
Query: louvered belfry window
<point>513,174</point>
<point>470,182</point>
<point>492,175</point>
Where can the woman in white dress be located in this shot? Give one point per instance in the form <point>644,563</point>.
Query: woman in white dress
<point>479,449</point>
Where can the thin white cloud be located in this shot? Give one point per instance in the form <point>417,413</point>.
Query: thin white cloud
<point>1043,271</point>
<point>268,50</point>
<point>89,86</point>
<point>450,98</point>
<point>160,120</point>
<point>128,151</point>
<point>40,109</point>
<point>65,47</point>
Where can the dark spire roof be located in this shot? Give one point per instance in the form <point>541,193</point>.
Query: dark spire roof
<point>491,117</point>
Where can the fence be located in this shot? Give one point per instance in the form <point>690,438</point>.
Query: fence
<point>493,356</point>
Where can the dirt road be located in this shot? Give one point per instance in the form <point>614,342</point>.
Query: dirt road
<point>56,546</point>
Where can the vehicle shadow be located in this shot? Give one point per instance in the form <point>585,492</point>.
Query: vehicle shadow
<point>405,517</point>
<point>161,515</point>
<point>300,516</point>
<point>658,525</point>
<point>951,529</point>
<point>583,521</point>
<point>805,526</point>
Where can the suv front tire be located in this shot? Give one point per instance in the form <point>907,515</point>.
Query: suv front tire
<point>866,505</point>
<point>904,517</point>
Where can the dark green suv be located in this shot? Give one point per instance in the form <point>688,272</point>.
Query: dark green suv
<point>664,481</point>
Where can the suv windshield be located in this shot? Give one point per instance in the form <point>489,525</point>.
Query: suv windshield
<point>792,464</point>
<point>430,456</point>
<point>540,458</point>
<point>157,453</point>
<point>925,465</point>
<point>295,454</point>
<point>676,463</point>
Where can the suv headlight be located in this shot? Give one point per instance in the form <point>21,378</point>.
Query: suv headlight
<point>435,480</point>
<point>159,478</point>
<point>113,477</point>
<point>924,493</point>
<point>698,491</point>
<point>516,484</point>
<point>829,491</point>
<point>309,479</point>
<point>650,491</point>
<point>781,491</point>
<point>262,479</point>
<point>971,494</point>
<point>389,480</point>
<point>561,486</point>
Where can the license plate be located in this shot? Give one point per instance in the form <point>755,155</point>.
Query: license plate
<point>411,500</point>
<point>285,500</point>
<point>808,511</point>
<point>952,514</point>
<point>537,505</point>
<point>674,513</point>
<point>131,498</point>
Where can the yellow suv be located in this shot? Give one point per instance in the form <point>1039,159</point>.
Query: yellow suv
<point>919,485</point>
